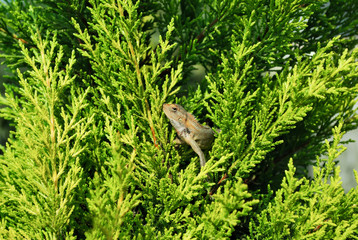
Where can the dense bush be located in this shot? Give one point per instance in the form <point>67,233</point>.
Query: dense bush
<point>91,154</point>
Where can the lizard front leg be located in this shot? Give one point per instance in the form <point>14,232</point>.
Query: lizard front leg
<point>185,135</point>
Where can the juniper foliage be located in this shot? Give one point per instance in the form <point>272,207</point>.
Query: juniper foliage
<point>91,154</point>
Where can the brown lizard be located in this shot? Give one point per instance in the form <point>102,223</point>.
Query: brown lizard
<point>189,129</point>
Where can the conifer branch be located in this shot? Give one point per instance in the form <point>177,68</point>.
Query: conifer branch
<point>91,154</point>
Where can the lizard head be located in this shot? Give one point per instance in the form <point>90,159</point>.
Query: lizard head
<point>174,112</point>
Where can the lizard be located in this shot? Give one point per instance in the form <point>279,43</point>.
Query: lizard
<point>189,130</point>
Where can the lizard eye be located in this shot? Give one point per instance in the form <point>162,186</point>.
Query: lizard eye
<point>174,109</point>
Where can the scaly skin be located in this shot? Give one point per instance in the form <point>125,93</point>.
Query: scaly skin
<point>189,129</point>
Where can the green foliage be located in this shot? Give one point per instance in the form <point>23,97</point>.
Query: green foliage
<point>316,209</point>
<point>40,168</point>
<point>92,156</point>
